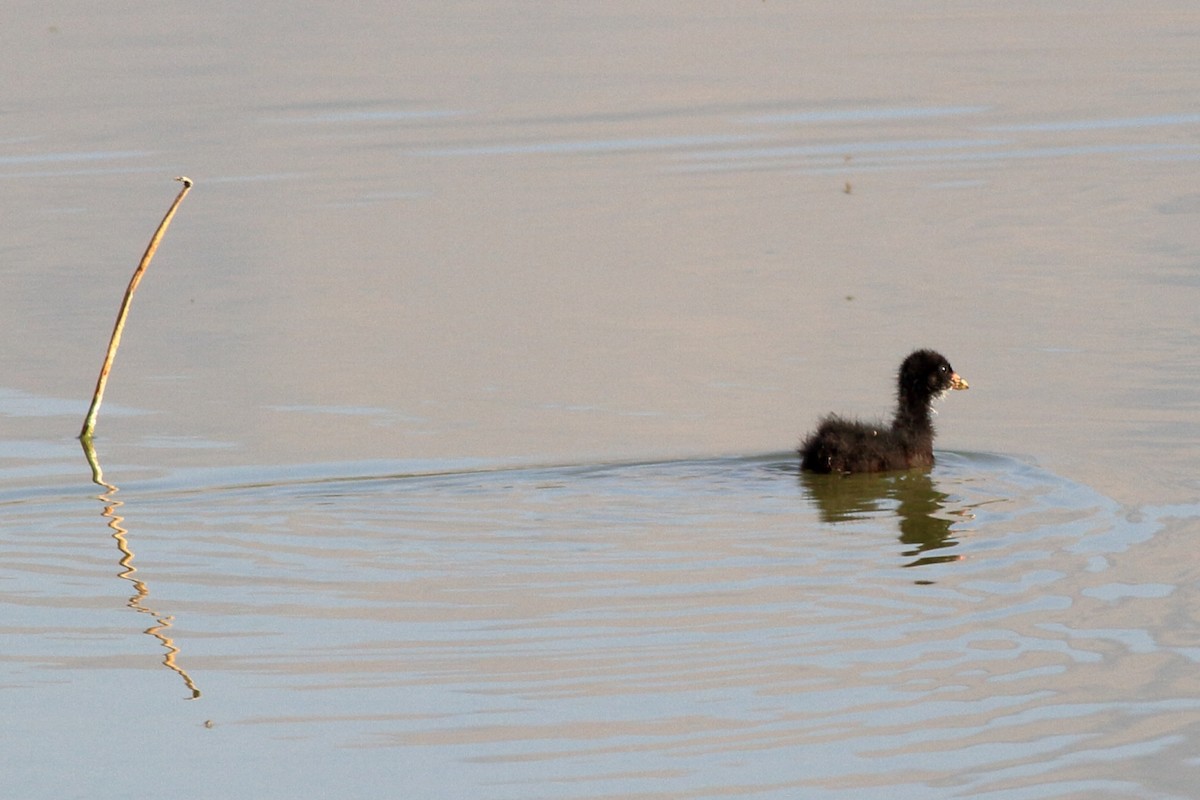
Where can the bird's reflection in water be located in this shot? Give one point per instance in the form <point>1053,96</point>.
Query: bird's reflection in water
<point>142,591</point>
<point>910,495</point>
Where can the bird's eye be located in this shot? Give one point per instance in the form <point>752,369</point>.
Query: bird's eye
<point>942,368</point>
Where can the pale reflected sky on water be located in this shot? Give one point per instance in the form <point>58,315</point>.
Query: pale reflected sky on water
<point>629,249</point>
<point>575,234</point>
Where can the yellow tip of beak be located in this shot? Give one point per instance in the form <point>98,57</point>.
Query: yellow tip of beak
<point>956,382</point>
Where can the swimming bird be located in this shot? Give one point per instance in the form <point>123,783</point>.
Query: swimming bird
<point>842,445</point>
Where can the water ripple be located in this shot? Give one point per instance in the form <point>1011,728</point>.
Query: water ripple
<point>631,629</point>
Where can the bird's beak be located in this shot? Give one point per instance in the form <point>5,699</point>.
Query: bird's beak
<point>956,382</point>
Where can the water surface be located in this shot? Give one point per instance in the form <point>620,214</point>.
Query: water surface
<point>451,421</point>
<point>672,628</point>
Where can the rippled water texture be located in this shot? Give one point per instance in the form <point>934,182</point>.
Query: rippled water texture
<point>682,629</point>
<point>452,421</point>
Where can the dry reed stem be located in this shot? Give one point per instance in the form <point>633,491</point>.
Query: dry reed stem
<point>89,422</point>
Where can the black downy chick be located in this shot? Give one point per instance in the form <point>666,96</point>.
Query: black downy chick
<point>841,445</point>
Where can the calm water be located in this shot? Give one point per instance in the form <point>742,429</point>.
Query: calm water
<point>451,422</point>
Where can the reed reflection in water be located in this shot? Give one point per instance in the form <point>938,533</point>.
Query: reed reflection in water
<point>141,591</point>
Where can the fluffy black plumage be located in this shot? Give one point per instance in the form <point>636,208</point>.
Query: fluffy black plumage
<point>841,445</point>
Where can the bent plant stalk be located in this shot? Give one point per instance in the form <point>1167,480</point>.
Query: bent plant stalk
<point>89,422</point>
